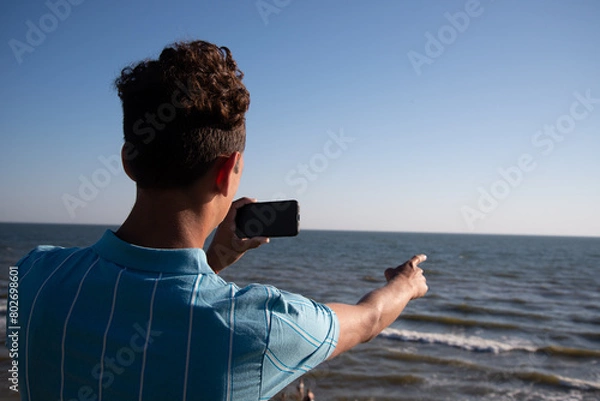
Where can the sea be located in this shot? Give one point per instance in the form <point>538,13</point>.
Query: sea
<point>506,317</point>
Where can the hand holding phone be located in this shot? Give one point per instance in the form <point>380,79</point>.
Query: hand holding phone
<point>226,246</point>
<point>268,219</point>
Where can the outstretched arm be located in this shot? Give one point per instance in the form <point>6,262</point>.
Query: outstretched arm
<point>378,309</point>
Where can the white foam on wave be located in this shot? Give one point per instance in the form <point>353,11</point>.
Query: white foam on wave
<point>578,384</point>
<point>469,343</point>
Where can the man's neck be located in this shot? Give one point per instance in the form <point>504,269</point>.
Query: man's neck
<point>167,220</point>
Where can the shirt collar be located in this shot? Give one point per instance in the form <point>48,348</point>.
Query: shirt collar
<point>177,261</point>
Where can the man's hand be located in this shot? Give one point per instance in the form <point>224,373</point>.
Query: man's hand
<point>411,274</point>
<point>226,247</point>
<point>378,309</point>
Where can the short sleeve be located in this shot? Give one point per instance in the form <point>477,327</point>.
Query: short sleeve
<point>302,334</point>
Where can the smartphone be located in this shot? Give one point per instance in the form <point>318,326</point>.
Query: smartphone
<point>268,219</point>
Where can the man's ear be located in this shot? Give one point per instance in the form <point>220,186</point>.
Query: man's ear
<point>227,167</point>
<point>128,153</point>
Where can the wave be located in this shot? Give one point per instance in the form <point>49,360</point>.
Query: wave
<point>481,310</point>
<point>455,321</point>
<point>500,375</point>
<point>433,360</point>
<point>585,320</point>
<point>478,344</point>
<point>590,336</point>
<point>557,380</point>
<point>569,352</point>
<point>468,343</point>
<point>514,300</point>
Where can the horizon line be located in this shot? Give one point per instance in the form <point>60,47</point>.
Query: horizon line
<point>347,230</point>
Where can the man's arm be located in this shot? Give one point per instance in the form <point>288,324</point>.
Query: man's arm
<point>378,309</point>
<point>226,247</point>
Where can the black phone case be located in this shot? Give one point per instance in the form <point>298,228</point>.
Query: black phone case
<point>268,219</point>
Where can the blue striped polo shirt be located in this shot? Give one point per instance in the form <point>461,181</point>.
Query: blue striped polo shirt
<point>117,322</point>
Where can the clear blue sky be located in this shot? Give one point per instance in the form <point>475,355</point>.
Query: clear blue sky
<point>433,99</point>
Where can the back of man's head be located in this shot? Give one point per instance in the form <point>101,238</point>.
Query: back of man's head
<point>180,112</point>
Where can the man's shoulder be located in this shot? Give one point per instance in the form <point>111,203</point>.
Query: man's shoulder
<point>267,292</point>
<point>47,254</point>
<point>280,301</point>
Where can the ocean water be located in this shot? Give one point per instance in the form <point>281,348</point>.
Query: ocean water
<point>505,318</point>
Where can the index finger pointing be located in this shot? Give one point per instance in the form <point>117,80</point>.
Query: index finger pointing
<point>420,258</point>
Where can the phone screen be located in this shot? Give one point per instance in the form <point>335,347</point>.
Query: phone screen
<point>268,219</point>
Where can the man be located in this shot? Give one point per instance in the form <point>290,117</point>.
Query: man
<point>142,314</point>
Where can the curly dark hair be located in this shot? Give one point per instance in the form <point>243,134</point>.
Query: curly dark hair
<point>181,112</point>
